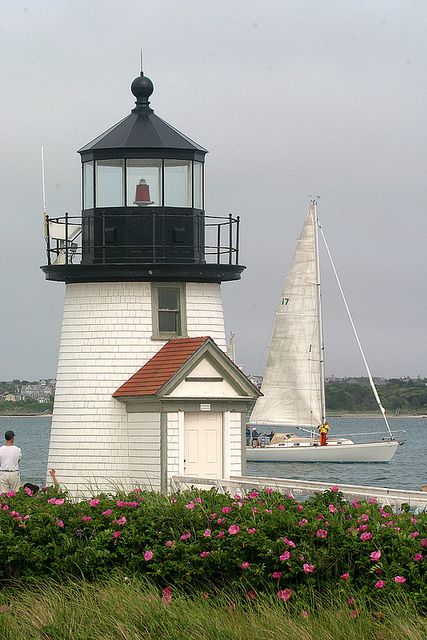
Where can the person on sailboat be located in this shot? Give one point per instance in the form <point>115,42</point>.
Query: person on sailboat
<point>323,431</point>
<point>255,437</point>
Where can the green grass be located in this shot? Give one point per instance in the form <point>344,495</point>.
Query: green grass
<point>129,609</point>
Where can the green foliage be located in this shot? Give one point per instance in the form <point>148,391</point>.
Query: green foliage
<point>25,407</point>
<point>130,608</point>
<point>263,543</point>
<point>405,395</point>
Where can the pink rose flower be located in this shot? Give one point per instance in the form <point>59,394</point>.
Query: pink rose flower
<point>204,554</point>
<point>185,536</point>
<point>226,509</point>
<point>220,535</point>
<point>304,614</point>
<point>331,508</point>
<point>28,491</point>
<point>251,530</point>
<point>117,534</point>
<point>354,613</point>
<point>322,533</point>
<point>308,568</point>
<point>94,502</point>
<point>169,543</point>
<point>366,536</point>
<point>86,518</point>
<point>220,520</point>
<point>207,533</point>
<point>121,520</point>
<point>120,503</point>
<point>281,507</point>
<point>167,595</point>
<point>285,556</point>
<point>234,529</point>
<point>11,494</point>
<point>345,576</point>
<point>290,543</point>
<point>417,557</point>
<point>284,594</point>
<point>60,523</point>
<point>253,494</point>
<point>399,579</point>
<point>198,500</point>
<point>299,508</point>
<point>424,542</point>
<point>107,512</point>
<point>277,575</point>
<point>355,503</point>
<point>303,522</point>
<point>190,505</point>
<point>268,490</point>
<point>335,488</point>
<point>414,534</point>
<point>148,555</point>
<point>244,565</point>
<point>375,556</point>
<point>379,584</point>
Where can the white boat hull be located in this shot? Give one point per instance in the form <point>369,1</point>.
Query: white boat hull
<point>368,452</point>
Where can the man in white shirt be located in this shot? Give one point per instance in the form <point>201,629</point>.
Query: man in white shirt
<point>10,456</point>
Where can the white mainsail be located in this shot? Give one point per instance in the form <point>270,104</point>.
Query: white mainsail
<point>293,385</point>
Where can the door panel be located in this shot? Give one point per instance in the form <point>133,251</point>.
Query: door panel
<point>203,444</point>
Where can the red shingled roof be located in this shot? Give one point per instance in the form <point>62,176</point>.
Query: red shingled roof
<point>161,368</point>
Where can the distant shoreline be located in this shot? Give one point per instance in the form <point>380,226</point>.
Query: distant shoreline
<point>331,416</point>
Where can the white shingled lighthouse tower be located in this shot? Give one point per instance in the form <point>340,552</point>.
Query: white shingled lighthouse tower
<point>143,265</point>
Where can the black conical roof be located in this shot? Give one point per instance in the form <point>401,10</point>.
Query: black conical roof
<point>141,129</point>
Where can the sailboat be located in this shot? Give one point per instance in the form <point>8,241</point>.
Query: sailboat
<point>293,386</point>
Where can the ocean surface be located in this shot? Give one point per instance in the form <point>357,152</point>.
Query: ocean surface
<point>407,470</point>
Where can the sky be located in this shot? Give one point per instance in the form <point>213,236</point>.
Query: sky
<point>290,97</point>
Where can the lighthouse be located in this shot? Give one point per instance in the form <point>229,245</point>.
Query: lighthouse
<point>144,389</point>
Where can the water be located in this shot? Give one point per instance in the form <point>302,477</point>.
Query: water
<point>406,470</point>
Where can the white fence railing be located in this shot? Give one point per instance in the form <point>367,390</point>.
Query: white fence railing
<point>302,488</point>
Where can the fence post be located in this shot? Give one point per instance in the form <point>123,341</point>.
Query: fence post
<point>237,239</point>
<point>230,238</point>
<point>48,240</point>
<point>66,237</point>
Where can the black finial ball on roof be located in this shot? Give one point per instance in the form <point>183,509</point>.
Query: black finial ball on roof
<point>142,87</point>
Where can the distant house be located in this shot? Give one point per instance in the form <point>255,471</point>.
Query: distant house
<point>43,400</point>
<point>9,397</point>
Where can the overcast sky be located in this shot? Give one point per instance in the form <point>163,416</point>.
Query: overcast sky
<point>291,98</point>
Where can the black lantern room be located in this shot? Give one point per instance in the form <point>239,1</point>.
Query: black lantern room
<point>143,213</point>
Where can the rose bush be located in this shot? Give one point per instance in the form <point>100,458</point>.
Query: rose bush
<point>264,542</point>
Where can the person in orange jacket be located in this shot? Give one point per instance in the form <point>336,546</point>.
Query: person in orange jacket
<point>323,431</point>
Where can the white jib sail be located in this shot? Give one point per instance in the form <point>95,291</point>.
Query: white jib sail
<point>293,381</point>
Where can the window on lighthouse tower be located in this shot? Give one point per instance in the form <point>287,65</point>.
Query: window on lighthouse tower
<point>168,305</point>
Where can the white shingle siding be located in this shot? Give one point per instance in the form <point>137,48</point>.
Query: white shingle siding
<point>105,339</point>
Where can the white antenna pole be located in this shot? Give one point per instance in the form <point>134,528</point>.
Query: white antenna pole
<point>142,69</point>
<point>44,194</point>
<point>371,380</point>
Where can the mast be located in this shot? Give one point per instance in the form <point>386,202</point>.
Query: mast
<point>319,307</point>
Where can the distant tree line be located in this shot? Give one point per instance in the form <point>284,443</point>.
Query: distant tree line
<point>398,395</point>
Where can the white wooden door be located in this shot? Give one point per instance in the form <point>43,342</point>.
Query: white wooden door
<point>203,444</point>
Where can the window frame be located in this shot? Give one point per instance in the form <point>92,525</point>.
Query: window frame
<point>182,315</point>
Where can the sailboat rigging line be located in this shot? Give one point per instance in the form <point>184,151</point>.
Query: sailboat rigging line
<point>371,380</point>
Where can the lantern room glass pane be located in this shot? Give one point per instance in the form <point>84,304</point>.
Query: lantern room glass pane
<point>144,183</point>
<point>88,185</point>
<point>198,185</point>
<point>110,183</point>
<point>178,183</point>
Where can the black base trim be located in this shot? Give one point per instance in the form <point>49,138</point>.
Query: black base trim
<point>142,272</point>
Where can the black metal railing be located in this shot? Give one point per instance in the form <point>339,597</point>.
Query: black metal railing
<point>150,237</point>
